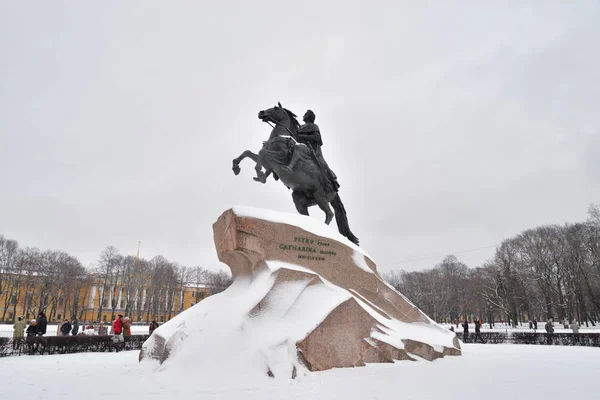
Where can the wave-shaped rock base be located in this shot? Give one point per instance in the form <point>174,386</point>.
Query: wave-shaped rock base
<point>300,286</point>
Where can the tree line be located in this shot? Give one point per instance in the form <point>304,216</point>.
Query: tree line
<point>55,282</point>
<point>552,271</point>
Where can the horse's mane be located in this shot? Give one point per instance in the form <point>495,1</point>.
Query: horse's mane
<point>293,117</point>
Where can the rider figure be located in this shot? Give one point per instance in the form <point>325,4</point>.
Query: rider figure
<point>310,135</point>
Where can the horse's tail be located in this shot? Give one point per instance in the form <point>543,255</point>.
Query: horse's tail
<point>342,219</point>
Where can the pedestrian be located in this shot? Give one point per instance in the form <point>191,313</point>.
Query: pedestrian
<point>153,326</point>
<point>117,325</point>
<point>126,328</point>
<point>575,327</point>
<point>117,330</point>
<point>32,329</point>
<point>41,323</point>
<point>19,332</point>
<point>465,326</point>
<point>59,328</point>
<point>75,329</point>
<point>549,331</point>
<point>535,324</point>
<point>530,324</point>
<point>478,332</point>
<point>31,332</point>
<point>65,328</point>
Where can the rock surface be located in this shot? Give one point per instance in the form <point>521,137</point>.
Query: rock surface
<point>318,296</point>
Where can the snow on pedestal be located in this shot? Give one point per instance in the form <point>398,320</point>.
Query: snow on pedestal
<point>303,297</point>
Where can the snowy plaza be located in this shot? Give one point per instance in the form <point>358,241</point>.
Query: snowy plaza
<point>491,372</point>
<point>305,200</point>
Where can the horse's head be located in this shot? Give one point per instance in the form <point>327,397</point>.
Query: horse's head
<point>275,114</point>
<point>281,116</point>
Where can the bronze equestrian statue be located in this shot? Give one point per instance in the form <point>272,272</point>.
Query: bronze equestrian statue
<point>293,154</point>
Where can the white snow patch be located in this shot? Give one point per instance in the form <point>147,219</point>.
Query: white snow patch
<point>232,331</point>
<point>359,260</point>
<point>301,221</point>
<point>493,372</point>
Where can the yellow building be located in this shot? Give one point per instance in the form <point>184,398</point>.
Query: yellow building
<point>87,301</point>
<point>141,307</point>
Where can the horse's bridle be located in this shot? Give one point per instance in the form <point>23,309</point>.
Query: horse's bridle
<point>279,123</point>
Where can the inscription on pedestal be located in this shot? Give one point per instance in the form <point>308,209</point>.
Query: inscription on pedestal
<point>308,249</point>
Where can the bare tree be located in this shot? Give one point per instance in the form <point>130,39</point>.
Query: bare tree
<point>106,271</point>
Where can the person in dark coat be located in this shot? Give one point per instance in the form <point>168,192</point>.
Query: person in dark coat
<point>153,326</point>
<point>465,326</point>
<point>478,332</point>
<point>32,329</point>
<point>65,328</point>
<point>534,323</point>
<point>42,323</point>
<point>549,331</point>
<point>75,329</point>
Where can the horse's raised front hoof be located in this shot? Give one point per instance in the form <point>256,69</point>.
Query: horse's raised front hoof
<point>236,169</point>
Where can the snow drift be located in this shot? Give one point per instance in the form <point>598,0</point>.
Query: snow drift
<point>303,298</point>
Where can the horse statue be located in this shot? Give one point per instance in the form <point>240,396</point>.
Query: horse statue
<point>296,165</point>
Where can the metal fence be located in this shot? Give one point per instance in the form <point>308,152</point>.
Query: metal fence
<point>52,330</point>
<point>556,339</point>
<point>69,344</point>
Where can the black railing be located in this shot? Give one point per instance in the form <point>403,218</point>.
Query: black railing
<point>69,344</point>
<point>557,339</point>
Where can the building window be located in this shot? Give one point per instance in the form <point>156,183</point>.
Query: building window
<point>104,318</point>
<point>13,300</point>
<point>58,317</point>
<point>10,315</point>
<point>61,301</point>
<point>162,318</point>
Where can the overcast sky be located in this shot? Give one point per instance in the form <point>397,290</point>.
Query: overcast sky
<point>451,127</point>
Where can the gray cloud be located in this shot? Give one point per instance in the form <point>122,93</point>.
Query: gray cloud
<point>451,127</point>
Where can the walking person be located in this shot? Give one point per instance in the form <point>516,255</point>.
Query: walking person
<point>65,328</point>
<point>549,331</point>
<point>41,323</point>
<point>575,328</point>
<point>535,324</point>
<point>32,329</point>
<point>75,329</point>
<point>117,332</point>
<point>32,332</point>
<point>478,332</point>
<point>19,332</point>
<point>126,328</point>
<point>153,326</point>
<point>465,326</point>
<point>59,328</point>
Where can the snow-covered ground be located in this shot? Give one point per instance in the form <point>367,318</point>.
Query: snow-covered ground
<point>484,371</point>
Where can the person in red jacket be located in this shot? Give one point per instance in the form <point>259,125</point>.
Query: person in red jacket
<point>118,325</point>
